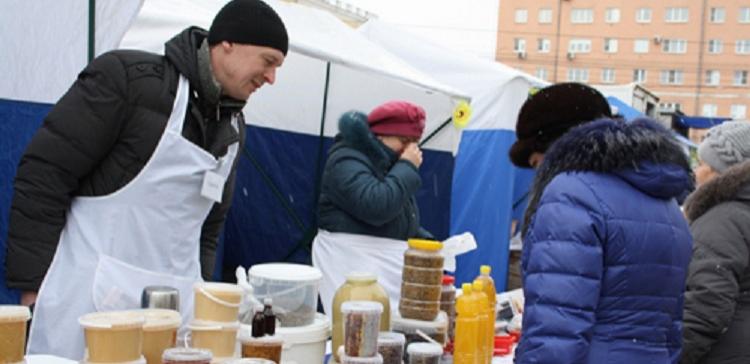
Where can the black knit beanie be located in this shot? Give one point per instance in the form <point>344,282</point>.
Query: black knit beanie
<point>249,22</point>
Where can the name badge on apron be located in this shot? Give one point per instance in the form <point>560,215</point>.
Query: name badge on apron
<point>213,186</point>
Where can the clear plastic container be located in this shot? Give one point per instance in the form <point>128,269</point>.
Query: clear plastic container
<point>361,327</point>
<point>267,347</point>
<point>376,359</point>
<point>113,336</point>
<point>391,347</point>
<point>218,337</point>
<point>293,288</point>
<point>424,254</point>
<point>249,361</point>
<point>159,333</point>
<point>432,276</point>
<point>424,353</point>
<point>418,310</point>
<point>186,356</point>
<point>436,329</point>
<point>218,302</point>
<point>420,292</point>
<point>13,319</point>
<point>359,286</point>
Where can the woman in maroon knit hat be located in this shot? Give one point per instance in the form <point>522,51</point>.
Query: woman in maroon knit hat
<point>367,207</point>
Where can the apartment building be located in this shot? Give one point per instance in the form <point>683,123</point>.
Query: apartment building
<point>693,54</point>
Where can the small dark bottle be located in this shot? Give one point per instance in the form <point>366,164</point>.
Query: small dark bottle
<point>269,317</point>
<point>259,322</point>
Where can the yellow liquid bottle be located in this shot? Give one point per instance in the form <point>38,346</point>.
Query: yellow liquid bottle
<point>483,355</point>
<point>489,290</point>
<point>467,327</point>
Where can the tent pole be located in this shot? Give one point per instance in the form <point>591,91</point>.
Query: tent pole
<point>92,29</point>
<point>434,132</point>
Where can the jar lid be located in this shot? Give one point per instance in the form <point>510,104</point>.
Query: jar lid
<point>391,339</point>
<point>426,349</point>
<point>161,319</point>
<point>448,280</point>
<point>187,354</point>
<point>285,272</point>
<point>361,307</point>
<point>263,340</point>
<point>249,361</point>
<point>218,287</point>
<point>113,320</point>
<point>14,313</point>
<point>203,325</point>
<point>377,359</point>
<point>422,244</point>
<point>361,277</point>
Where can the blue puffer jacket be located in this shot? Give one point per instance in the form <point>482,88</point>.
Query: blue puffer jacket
<point>607,248</point>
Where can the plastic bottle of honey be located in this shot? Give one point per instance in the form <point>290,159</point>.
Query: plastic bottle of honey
<point>489,290</point>
<point>467,327</point>
<point>484,355</point>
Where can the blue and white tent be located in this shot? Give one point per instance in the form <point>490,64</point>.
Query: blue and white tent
<point>485,183</point>
<point>330,69</point>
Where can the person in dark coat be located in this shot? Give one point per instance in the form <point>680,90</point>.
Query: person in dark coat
<point>367,208</point>
<point>544,117</point>
<point>371,176</point>
<point>717,300</point>
<point>606,248</point>
<point>103,131</point>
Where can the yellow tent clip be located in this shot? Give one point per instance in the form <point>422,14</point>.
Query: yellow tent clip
<point>461,115</point>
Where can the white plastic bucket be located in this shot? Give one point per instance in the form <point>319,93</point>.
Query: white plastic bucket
<point>293,289</point>
<point>302,344</point>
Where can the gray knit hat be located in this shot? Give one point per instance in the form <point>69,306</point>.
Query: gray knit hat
<point>726,145</point>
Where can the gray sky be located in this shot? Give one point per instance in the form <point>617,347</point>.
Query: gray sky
<point>463,25</point>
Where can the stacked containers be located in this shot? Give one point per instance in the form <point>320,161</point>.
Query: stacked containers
<point>424,353</point>
<point>186,356</point>
<point>359,286</point>
<point>361,328</point>
<point>422,278</point>
<point>436,329</point>
<point>216,318</point>
<point>13,320</point>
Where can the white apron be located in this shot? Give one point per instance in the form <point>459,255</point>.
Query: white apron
<point>146,233</point>
<point>338,254</point>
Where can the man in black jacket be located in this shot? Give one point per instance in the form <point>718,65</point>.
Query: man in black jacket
<point>103,131</point>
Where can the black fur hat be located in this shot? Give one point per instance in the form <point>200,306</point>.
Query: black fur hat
<point>549,113</point>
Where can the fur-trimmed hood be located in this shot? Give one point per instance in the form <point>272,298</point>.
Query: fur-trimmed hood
<point>642,153</point>
<point>355,133</point>
<point>733,184</point>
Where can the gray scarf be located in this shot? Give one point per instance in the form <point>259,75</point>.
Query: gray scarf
<point>210,88</point>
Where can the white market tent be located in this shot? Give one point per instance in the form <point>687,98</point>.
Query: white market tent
<point>330,69</point>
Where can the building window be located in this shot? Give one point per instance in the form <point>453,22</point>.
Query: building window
<point>582,16</point>
<point>543,45</point>
<point>545,16</point>
<point>541,73</point>
<point>710,110</point>
<point>742,46</point>
<point>578,74</point>
<point>519,45</point>
<point>676,15</point>
<point>740,78</point>
<point>738,112</point>
<point>718,15</point>
<point>674,45</point>
<point>610,45</point>
<point>612,15</point>
<point>579,46</point>
<point>522,15</point>
<point>713,77</point>
<point>640,46</point>
<point>643,15</point>
<point>608,75</point>
<point>669,106</point>
<point>671,77</point>
<point>744,16</point>
<point>639,75</point>
<point>714,46</point>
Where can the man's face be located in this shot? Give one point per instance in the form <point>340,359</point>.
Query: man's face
<point>241,69</point>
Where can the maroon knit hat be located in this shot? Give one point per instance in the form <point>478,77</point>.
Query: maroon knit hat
<point>397,118</point>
